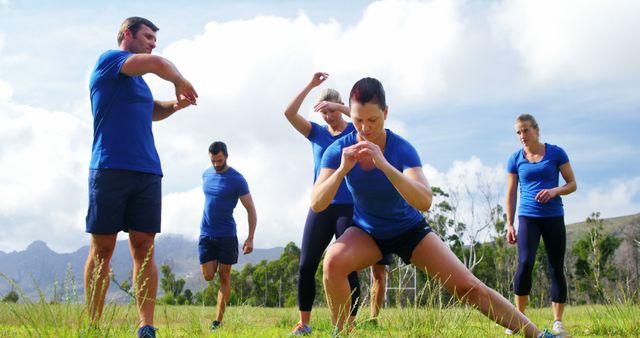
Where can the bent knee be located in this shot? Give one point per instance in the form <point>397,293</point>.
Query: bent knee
<point>208,276</point>
<point>334,266</point>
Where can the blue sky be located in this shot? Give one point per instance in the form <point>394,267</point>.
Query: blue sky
<point>457,73</point>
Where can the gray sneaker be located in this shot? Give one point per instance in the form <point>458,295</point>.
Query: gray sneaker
<point>301,329</point>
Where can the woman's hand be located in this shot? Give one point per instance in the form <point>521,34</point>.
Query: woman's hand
<point>512,238</point>
<point>318,79</point>
<point>370,152</point>
<point>545,195</point>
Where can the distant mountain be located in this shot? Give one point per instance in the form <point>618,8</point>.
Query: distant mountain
<point>39,268</point>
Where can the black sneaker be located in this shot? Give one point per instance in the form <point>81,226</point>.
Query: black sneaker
<point>215,325</point>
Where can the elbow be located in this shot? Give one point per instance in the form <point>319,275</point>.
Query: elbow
<point>424,206</point>
<point>317,205</point>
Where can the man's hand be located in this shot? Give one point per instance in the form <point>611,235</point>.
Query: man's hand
<point>185,92</point>
<point>247,248</point>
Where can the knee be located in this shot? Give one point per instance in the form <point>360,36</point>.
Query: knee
<point>208,276</point>
<point>333,268</point>
<point>526,265</point>
<point>101,251</point>
<point>141,250</point>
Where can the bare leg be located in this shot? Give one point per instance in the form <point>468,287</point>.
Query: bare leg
<point>439,262</point>
<point>224,271</point>
<point>558,310</point>
<point>209,270</point>
<point>145,274</point>
<point>522,302</point>
<point>305,317</point>
<point>95,287</point>
<point>353,251</point>
<point>378,288</point>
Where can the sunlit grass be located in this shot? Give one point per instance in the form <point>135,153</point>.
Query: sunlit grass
<point>32,320</point>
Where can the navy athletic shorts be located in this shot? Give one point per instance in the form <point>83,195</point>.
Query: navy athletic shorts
<point>221,249</point>
<point>120,200</point>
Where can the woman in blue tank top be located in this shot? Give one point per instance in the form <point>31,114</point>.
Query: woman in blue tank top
<point>384,174</point>
<point>536,168</point>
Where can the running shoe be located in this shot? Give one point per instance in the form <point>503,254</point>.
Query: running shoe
<point>558,328</point>
<point>147,331</point>
<point>508,332</point>
<point>215,325</point>
<point>547,334</point>
<point>301,329</point>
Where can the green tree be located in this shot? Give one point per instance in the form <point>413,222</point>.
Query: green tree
<point>171,286</point>
<point>593,251</point>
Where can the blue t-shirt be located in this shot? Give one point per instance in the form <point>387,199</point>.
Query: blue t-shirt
<point>379,209</point>
<point>221,194</point>
<point>122,108</point>
<point>534,177</point>
<point>321,139</point>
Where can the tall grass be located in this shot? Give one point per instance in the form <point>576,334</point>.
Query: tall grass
<point>442,316</point>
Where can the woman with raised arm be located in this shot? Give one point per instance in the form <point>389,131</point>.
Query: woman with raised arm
<point>384,175</point>
<point>536,168</point>
<point>321,227</point>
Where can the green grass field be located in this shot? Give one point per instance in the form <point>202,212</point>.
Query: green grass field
<point>45,320</point>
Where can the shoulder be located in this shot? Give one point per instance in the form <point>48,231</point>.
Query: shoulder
<point>554,148</point>
<point>113,54</point>
<point>235,174</point>
<point>558,153</point>
<point>398,142</point>
<point>515,155</point>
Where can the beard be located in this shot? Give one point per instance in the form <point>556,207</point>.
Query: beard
<point>220,168</point>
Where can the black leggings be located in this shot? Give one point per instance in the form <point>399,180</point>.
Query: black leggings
<point>554,236</point>
<point>318,232</point>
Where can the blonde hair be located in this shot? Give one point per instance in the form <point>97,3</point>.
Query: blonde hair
<point>528,117</point>
<point>329,94</point>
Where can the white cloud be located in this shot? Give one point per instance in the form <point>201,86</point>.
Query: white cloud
<point>612,198</point>
<point>441,52</point>
<point>6,91</point>
<point>43,161</point>
<point>572,40</point>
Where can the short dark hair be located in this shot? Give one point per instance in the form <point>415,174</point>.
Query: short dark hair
<point>368,90</point>
<point>133,25</point>
<point>217,147</point>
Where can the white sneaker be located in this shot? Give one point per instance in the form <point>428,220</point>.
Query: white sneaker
<point>559,329</point>
<point>508,331</point>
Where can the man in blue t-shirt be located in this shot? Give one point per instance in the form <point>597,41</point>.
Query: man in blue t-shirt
<point>223,186</point>
<point>125,174</point>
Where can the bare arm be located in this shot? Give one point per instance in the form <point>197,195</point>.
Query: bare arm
<point>329,180</point>
<point>140,64</point>
<point>164,109</point>
<point>332,106</point>
<point>512,199</point>
<point>412,186</point>
<point>252,217</point>
<point>302,125</point>
<point>544,195</point>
